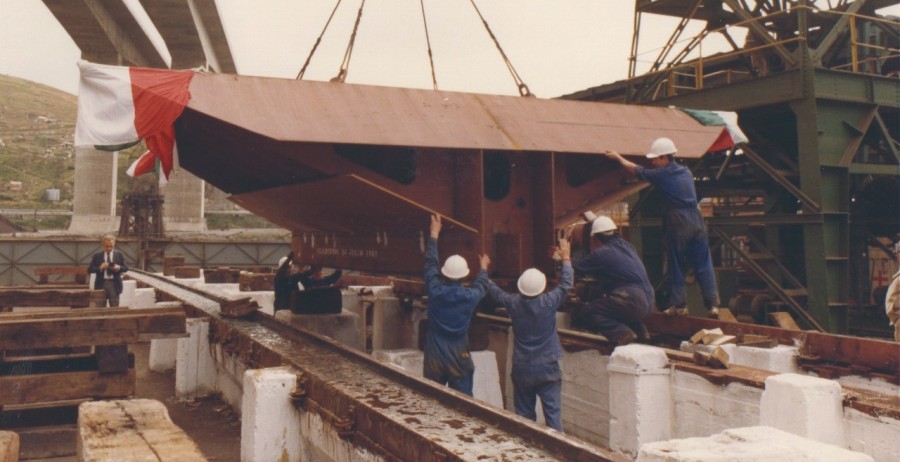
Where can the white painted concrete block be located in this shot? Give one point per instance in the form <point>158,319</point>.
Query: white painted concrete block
<point>875,435</point>
<point>748,444</point>
<point>485,383</point>
<point>702,408</point>
<point>195,368</point>
<point>163,352</point>
<point>585,396</point>
<point>639,397</point>
<point>781,359</point>
<point>230,378</point>
<point>343,327</point>
<point>144,298</point>
<point>390,325</point>
<point>408,359</point>
<point>380,291</point>
<point>270,424</point>
<point>803,405</point>
<point>126,298</point>
<point>350,301</point>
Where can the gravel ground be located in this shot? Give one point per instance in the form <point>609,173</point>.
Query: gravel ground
<point>212,424</point>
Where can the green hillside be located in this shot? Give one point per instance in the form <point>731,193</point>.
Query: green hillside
<point>37,127</point>
<point>37,132</point>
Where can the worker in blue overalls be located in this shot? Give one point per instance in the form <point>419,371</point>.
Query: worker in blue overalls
<point>537,351</point>
<point>450,309</point>
<point>685,231</point>
<point>627,294</point>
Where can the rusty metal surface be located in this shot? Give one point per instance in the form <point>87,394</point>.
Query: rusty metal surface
<point>828,353</point>
<point>377,406</point>
<point>384,210</point>
<point>325,112</point>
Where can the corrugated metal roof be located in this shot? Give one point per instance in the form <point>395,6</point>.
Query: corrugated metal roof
<point>325,112</point>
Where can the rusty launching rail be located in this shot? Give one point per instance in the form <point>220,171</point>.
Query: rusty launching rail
<point>376,406</point>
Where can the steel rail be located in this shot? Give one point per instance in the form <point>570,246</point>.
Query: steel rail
<point>373,405</point>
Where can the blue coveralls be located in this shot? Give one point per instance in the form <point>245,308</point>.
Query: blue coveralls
<point>450,308</point>
<point>686,236</point>
<point>536,353</point>
<point>628,295</point>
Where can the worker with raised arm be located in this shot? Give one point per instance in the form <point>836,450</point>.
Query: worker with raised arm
<point>684,228</point>
<point>450,309</point>
<point>536,350</point>
<point>627,296</point>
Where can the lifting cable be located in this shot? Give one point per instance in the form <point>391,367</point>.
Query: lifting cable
<point>318,41</point>
<point>342,73</point>
<point>428,42</point>
<point>523,89</point>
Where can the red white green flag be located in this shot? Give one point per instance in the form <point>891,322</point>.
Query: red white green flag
<point>120,106</point>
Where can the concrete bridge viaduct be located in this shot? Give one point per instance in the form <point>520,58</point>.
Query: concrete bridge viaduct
<point>108,32</point>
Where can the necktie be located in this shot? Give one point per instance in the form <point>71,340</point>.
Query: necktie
<point>109,262</point>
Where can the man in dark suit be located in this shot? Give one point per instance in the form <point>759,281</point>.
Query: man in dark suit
<point>108,265</point>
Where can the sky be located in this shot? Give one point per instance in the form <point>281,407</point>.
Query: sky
<point>556,46</point>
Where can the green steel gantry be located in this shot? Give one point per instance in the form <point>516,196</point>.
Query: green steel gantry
<point>793,213</point>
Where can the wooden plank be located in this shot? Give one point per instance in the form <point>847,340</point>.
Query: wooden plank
<point>39,388</point>
<point>138,429</point>
<point>165,322</point>
<point>50,333</point>
<point>9,446</point>
<point>784,320</point>
<point>41,297</point>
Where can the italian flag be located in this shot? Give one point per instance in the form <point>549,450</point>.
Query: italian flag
<point>730,136</point>
<point>120,106</point>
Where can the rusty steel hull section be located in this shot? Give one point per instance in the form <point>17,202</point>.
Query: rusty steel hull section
<point>354,171</point>
<point>377,406</point>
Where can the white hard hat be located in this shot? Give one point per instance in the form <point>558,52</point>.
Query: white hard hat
<point>532,282</point>
<point>662,147</point>
<point>455,267</point>
<point>281,261</point>
<point>602,224</point>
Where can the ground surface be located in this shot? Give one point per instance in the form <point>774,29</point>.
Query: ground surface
<point>212,424</point>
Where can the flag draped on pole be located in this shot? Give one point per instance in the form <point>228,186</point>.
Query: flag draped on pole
<point>119,106</point>
<point>730,136</point>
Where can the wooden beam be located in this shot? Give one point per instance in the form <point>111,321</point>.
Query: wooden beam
<point>40,388</point>
<point>9,446</point>
<point>41,297</point>
<point>137,429</point>
<point>20,331</point>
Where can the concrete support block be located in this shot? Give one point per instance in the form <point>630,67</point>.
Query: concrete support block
<point>875,435</point>
<point>640,405</point>
<point>803,405</point>
<point>350,301</point>
<point>343,327</point>
<point>748,444</point>
<point>9,446</point>
<point>126,298</point>
<point>163,352</point>
<point>144,298</point>
<point>486,382</point>
<point>585,396</point>
<point>701,407</point>
<point>136,429</point>
<point>781,359</point>
<point>270,424</point>
<point>195,371</point>
<point>230,378</point>
<point>391,325</point>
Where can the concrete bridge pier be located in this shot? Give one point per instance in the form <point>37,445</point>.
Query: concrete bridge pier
<point>94,205</point>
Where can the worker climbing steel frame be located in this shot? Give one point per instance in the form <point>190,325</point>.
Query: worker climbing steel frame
<point>822,120</point>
